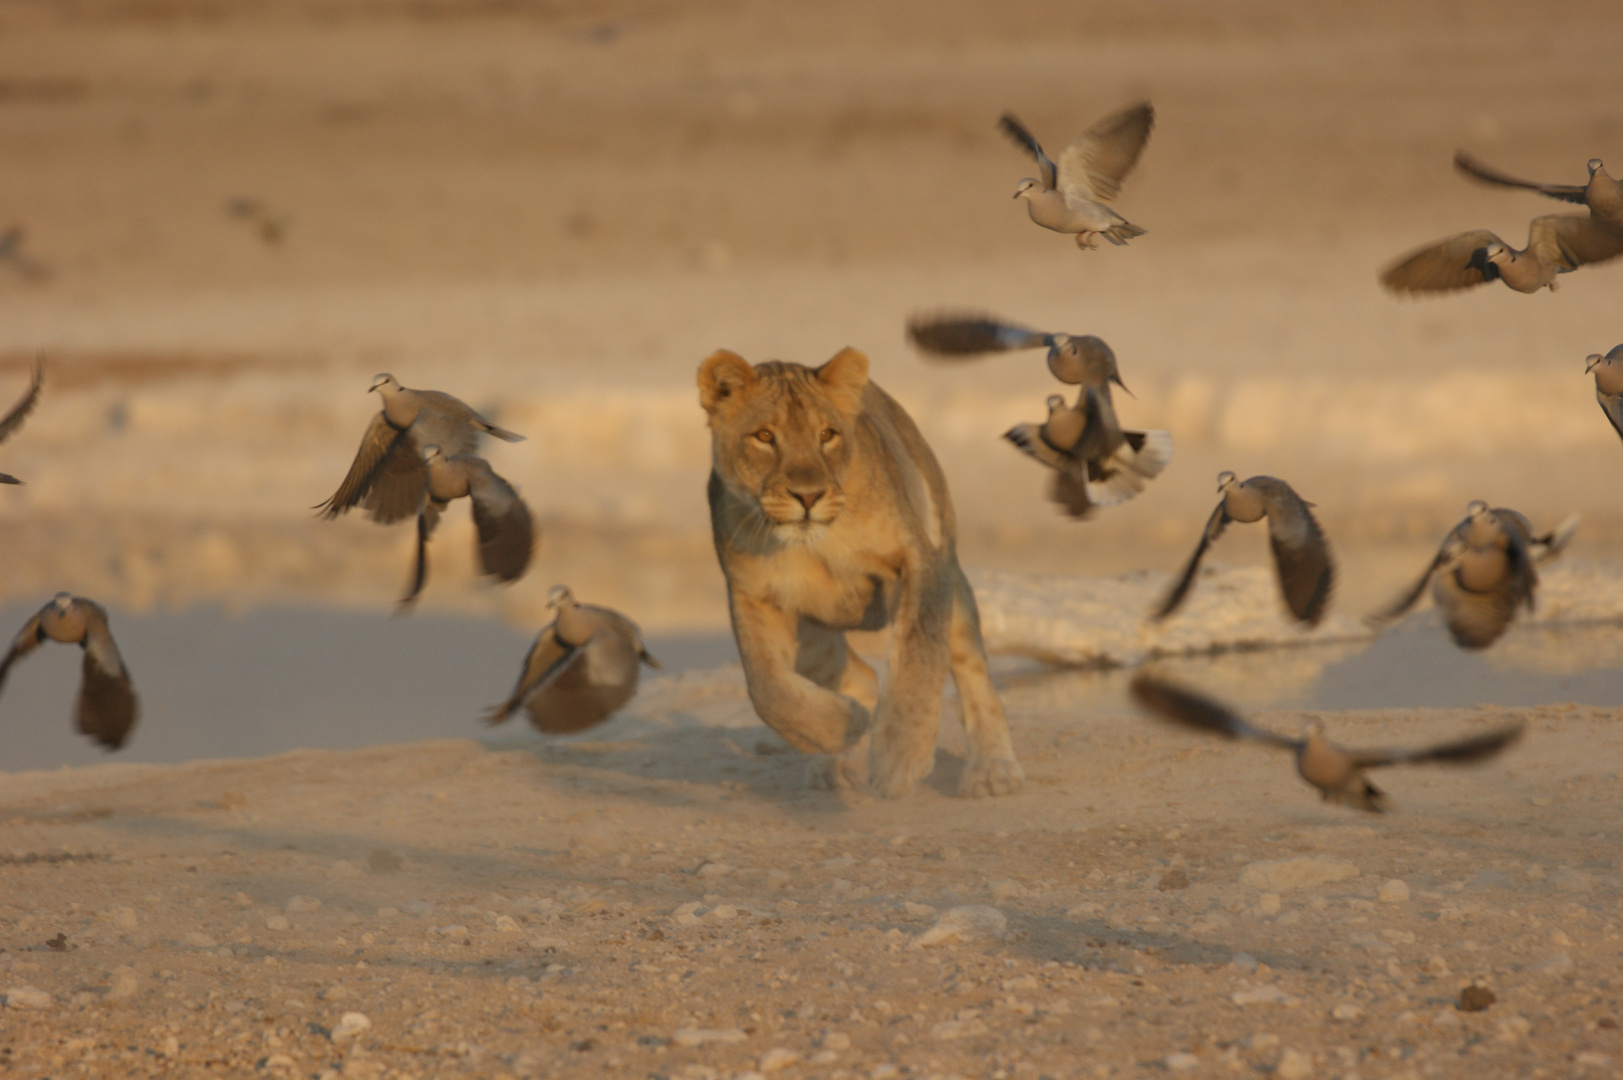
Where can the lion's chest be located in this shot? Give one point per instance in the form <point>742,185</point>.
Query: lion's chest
<point>844,590</point>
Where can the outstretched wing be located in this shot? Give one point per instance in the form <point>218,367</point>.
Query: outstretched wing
<point>1014,129</point>
<point>381,449</point>
<point>427,518</point>
<point>19,412</point>
<point>1412,595</point>
<point>1570,241</point>
<point>1456,263</point>
<point>1180,589</point>
<point>1097,160</point>
<point>107,708</point>
<point>969,334</point>
<point>1473,168</point>
<point>1307,574</point>
<point>1456,752</point>
<point>1172,702</point>
<point>548,660</point>
<point>26,641</point>
<point>506,533</point>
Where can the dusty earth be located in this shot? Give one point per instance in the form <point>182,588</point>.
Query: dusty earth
<point>554,211</point>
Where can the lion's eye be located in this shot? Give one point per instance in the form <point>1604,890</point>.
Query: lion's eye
<point>827,434</point>
<point>764,436</point>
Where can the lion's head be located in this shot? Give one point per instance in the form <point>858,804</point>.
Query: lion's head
<point>782,434</point>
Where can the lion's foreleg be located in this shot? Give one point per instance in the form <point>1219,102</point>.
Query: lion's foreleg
<point>909,711</point>
<point>992,768</point>
<point>809,717</point>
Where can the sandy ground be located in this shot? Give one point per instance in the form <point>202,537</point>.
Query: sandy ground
<point>554,211</point>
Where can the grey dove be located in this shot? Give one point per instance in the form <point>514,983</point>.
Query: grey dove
<point>388,474</point>
<point>1070,196</point>
<point>1608,371</point>
<point>1337,772</point>
<point>1484,572</point>
<point>19,412</point>
<point>1096,461</point>
<point>106,708</point>
<point>582,668</point>
<point>1556,244</point>
<point>1602,194</point>
<point>1302,559</point>
<point>502,519</point>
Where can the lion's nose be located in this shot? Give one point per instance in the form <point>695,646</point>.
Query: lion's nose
<point>808,499</point>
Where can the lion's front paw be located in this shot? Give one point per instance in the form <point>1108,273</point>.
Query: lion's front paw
<point>898,774</point>
<point>846,771</point>
<point>991,776</point>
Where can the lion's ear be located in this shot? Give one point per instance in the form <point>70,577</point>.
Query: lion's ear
<point>844,377</point>
<point>722,376</point>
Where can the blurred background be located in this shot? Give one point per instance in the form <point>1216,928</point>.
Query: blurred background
<point>222,219</point>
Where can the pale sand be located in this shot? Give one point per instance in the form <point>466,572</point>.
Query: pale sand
<point>555,212</point>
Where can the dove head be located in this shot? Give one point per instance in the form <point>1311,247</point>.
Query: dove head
<point>1026,188</point>
<point>1475,509</point>
<point>432,453</point>
<point>384,382</point>
<point>1225,480</point>
<point>1314,729</point>
<point>62,601</point>
<point>1596,165</point>
<point>1592,361</point>
<point>1498,253</point>
<point>558,596</point>
<point>1055,404</point>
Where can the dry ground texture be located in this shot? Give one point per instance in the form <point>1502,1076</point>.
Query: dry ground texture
<point>554,211</point>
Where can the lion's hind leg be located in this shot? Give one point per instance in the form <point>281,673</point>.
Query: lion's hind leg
<point>992,768</point>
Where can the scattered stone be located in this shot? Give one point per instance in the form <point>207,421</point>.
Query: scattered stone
<point>1007,889</point>
<point>124,984</point>
<point>1592,1059</point>
<point>1293,1065</point>
<point>973,922</point>
<point>124,918</point>
<point>242,899</point>
<point>200,941</point>
<point>957,1029</point>
<point>350,1025</point>
<point>1182,1062</point>
<point>382,861</point>
<point>1267,994</point>
<point>451,930</point>
<point>1393,892</point>
<point>277,922</point>
<point>1173,879</point>
<point>1435,965</point>
<point>506,924</point>
<point>343,868</point>
<point>1243,961</point>
<point>713,869</point>
<point>1279,875</point>
<point>1346,1012</point>
<point>1268,904</point>
<point>1572,880</point>
<point>388,912</point>
<point>700,1036</point>
<point>59,943</point>
<point>27,997</point>
<point>835,1040</point>
<point>1558,964</point>
<point>779,1057</point>
<point>917,911</point>
<point>418,908</point>
<point>300,904</point>
<point>724,911</point>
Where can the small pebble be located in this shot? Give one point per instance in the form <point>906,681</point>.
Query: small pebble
<point>1173,879</point>
<point>835,1040</point>
<point>298,904</point>
<point>124,984</point>
<point>343,868</point>
<point>1294,1065</point>
<point>1182,1062</point>
<point>1393,892</point>
<point>700,1036</point>
<point>779,1057</point>
<point>350,1025</point>
<point>27,997</point>
<point>972,922</point>
<point>200,941</point>
<point>418,908</point>
<point>277,922</point>
<point>124,918</point>
<point>1346,1012</point>
<point>1007,889</point>
<point>381,861</point>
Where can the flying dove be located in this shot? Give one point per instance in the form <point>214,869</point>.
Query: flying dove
<point>1069,197</point>
<point>1608,372</point>
<point>106,709</point>
<point>506,536</point>
<point>1096,462</point>
<point>1338,773</point>
<point>1556,244</point>
<point>971,335</point>
<point>581,669</point>
<point>1483,572</point>
<point>388,474</point>
<point>1602,194</point>
<point>1301,553</point>
<point>19,412</point>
